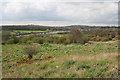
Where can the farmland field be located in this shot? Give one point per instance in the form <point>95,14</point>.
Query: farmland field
<point>58,35</point>
<point>26,31</point>
<point>95,60</point>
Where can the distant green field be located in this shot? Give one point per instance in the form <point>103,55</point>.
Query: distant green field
<point>97,60</point>
<point>25,31</point>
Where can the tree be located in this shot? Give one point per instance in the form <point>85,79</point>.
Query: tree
<point>76,36</point>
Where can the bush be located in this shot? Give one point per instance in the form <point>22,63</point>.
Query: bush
<point>6,35</point>
<point>16,40</point>
<point>61,40</point>
<point>110,38</point>
<point>114,39</point>
<point>29,42</point>
<point>31,50</point>
<point>93,39</point>
<point>10,41</point>
<point>65,40</point>
<point>97,38</point>
<point>85,39</point>
<point>3,42</point>
<point>104,39</point>
<point>26,38</point>
<point>38,40</point>
<point>49,39</point>
<point>55,39</point>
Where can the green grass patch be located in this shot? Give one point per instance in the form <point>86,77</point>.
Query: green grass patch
<point>26,31</point>
<point>58,35</point>
<point>63,64</point>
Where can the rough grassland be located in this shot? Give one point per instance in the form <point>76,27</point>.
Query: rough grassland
<point>69,61</point>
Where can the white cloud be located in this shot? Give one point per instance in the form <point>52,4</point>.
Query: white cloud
<point>88,12</point>
<point>13,8</point>
<point>59,0</point>
<point>60,12</point>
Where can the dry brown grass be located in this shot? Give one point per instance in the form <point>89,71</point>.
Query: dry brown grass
<point>102,56</point>
<point>107,42</point>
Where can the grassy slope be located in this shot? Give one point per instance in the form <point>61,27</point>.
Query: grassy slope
<point>81,61</point>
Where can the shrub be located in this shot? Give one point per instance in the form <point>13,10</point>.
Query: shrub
<point>55,39</point>
<point>38,40</point>
<point>6,35</point>
<point>67,41</point>
<point>85,40</point>
<point>31,50</point>
<point>93,39</point>
<point>29,42</point>
<point>114,39</point>
<point>10,41</point>
<point>16,40</point>
<point>26,38</point>
<point>110,38</point>
<point>97,38</point>
<point>104,39</point>
<point>61,40</point>
<point>3,42</point>
<point>49,39</point>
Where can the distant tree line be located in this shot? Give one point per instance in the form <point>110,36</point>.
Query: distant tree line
<point>32,27</point>
<point>74,36</point>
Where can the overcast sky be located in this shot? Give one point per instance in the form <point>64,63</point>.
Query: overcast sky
<point>59,12</point>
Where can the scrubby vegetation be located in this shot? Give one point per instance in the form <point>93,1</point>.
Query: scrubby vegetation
<point>76,54</point>
<point>96,60</point>
<point>74,36</point>
<point>103,35</point>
